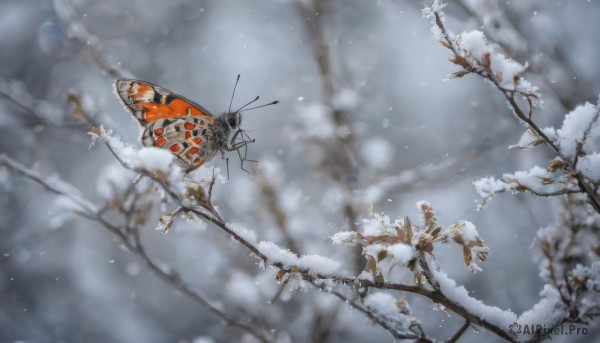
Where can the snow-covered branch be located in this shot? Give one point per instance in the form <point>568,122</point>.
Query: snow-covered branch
<point>128,234</point>
<point>570,286</point>
<point>299,230</point>
<point>405,244</point>
<point>475,55</point>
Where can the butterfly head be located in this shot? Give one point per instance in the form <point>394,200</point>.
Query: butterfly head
<point>233,119</point>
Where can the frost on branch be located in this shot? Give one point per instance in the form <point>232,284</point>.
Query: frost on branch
<point>403,243</point>
<point>155,161</point>
<point>475,54</point>
<point>569,258</point>
<point>578,141</point>
<point>569,250</point>
<point>577,126</point>
<point>590,166</point>
<point>458,294</point>
<point>246,234</point>
<point>165,222</point>
<point>314,264</point>
<point>122,185</point>
<point>392,310</point>
<point>575,141</point>
<point>585,280</point>
<point>530,139</point>
<point>539,181</point>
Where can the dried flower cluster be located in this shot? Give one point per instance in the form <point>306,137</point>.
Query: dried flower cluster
<point>405,244</point>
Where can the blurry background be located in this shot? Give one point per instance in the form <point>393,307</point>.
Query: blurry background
<point>399,134</point>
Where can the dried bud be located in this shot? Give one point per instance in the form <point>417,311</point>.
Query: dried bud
<point>425,243</point>
<point>498,77</point>
<point>458,74</point>
<point>556,164</point>
<point>165,223</point>
<point>486,60</point>
<point>467,256</point>
<point>516,78</point>
<point>97,131</point>
<point>428,216</point>
<point>404,230</point>
<point>382,255</point>
<point>461,61</point>
<point>281,275</point>
<point>198,193</point>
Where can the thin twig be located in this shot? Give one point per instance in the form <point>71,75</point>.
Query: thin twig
<point>459,333</point>
<point>377,319</point>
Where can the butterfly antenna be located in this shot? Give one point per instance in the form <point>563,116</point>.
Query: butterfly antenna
<point>269,104</point>
<point>251,102</point>
<point>232,94</point>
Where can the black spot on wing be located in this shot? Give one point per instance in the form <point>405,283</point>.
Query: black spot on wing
<point>169,99</point>
<point>157,97</point>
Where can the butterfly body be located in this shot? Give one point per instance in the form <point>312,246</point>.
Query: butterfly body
<point>186,129</point>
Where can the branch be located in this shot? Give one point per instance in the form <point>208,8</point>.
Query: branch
<point>459,333</point>
<point>205,211</point>
<point>377,319</point>
<point>89,211</point>
<point>209,213</point>
<point>509,94</point>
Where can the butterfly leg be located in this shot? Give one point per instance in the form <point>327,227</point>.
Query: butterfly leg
<point>241,140</point>
<point>244,159</point>
<point>226,161</point>
<point>244,140</point>
<point>237,147</point>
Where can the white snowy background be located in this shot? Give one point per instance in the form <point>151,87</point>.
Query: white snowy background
<point>67,280</point>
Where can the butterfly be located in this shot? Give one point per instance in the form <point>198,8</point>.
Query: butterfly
<point>186,129</point>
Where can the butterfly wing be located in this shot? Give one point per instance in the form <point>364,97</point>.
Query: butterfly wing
<point>169,120</point>
<point>148,102</point>
<point>186,137</point>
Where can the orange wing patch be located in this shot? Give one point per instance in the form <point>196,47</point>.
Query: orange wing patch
<point>176,108</point>
<point>149,102</point>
